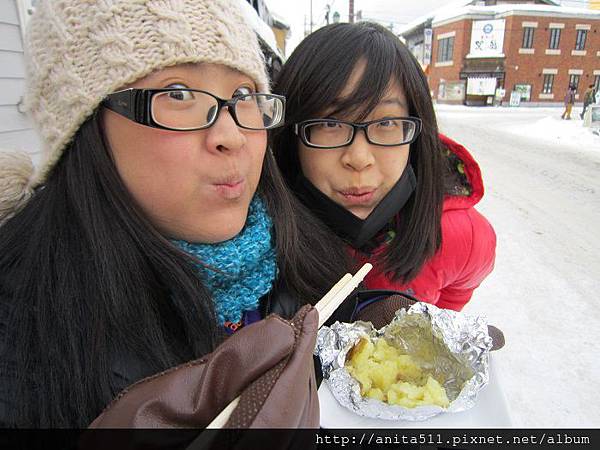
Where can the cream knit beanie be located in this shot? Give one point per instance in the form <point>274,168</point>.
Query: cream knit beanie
<point>79,51</point>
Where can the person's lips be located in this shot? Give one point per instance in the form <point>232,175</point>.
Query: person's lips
<point>230,187</point>
<point>357,195</point>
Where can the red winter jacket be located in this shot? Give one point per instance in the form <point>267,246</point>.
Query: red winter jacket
<point>467,252</point>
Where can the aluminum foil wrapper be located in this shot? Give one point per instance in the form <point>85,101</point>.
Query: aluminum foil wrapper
<point>456,344</point>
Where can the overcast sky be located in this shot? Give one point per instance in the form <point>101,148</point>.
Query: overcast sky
<point>397,12</point>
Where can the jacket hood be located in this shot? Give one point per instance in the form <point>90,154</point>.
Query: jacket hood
<point>463,182</point>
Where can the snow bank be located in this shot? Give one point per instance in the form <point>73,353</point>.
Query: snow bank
<point>541,124</point>
<point>553,129</point>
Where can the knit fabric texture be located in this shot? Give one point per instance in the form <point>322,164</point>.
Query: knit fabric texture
<point>238,272</point>
<point>79,51</point>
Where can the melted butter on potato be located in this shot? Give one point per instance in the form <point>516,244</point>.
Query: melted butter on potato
<point>387,375</point>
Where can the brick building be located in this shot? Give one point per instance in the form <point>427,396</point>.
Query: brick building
<point>535,49</point>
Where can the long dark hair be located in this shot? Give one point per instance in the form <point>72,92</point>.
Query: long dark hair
<point>312,80</point>
<point>85,278</point>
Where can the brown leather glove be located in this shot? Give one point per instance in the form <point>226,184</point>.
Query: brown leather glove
<point>269,363</point>
<point>381,312</point>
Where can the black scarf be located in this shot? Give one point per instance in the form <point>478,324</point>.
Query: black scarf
<point>357,232</point>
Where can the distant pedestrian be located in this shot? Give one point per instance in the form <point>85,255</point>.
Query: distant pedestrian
<point>569,101</point>
<point>588,98</point>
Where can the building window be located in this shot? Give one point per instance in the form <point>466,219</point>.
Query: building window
<point>580,41</point>
<point>554,38</point>
<point>528,37</point>
<point>574,81</point>
<point>445,49</point>
<point>597,83</point>
<point>548,83</point>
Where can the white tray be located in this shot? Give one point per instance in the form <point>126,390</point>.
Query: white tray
<point>490,411</point>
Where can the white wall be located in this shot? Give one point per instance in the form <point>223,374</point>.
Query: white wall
<point>16,131</point>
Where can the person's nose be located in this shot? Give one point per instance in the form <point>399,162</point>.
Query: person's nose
<point>224,135</point>
<point>359,155</point>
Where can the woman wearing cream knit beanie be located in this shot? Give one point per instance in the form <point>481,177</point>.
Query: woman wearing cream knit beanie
<point>78,52</point>
<point>156,222</point>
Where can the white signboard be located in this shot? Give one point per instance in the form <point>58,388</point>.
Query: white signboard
<point>595,115</point>
<point>515,98</point>
<point>525,90</point>
<point>428,34</point>
<point>487,38</point>
<point>481,86</point>
<point>452,90</point>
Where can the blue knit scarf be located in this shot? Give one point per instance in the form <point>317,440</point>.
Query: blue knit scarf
<point>246,265</point>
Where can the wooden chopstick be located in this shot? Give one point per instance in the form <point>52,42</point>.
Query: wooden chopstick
<point>326,307</point>
<point>221,419</point>
<point>332,292</point>
<point>204,440</point>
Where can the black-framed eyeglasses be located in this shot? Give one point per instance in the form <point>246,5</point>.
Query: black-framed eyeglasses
<point>180,109</point>
<point>333,133</point>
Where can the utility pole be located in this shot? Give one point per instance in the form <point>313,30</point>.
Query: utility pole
<point>311,21</point>
<point>351,11</point>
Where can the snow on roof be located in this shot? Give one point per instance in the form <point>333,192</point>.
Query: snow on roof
<point>447,14</point>
<point>282,22</point>
<point>460,7</point>
<point>259,26</point>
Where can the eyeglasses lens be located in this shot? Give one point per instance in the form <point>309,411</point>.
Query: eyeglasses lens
<point>328,134</point>
<point>183,110</point>
<point>391,132</point>
<point>259,111</point>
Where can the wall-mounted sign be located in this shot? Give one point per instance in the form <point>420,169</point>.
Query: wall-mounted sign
<point>452,91</point>
<point>427,38</point>
<point>525,90</point>
<point>487,38</point>
<point>515,98</point>
<point>595,113</point>
<point>481,86</point>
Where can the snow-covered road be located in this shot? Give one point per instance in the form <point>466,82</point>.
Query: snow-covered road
<point>542,179</point>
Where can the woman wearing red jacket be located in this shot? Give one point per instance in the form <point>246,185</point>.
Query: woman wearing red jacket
<point>361,149</point>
